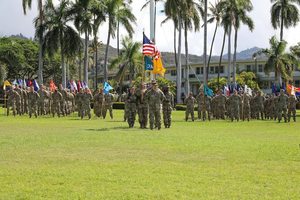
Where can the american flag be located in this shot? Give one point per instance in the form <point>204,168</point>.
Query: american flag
<point>149,48</point>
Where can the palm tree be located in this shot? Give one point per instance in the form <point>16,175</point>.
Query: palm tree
<point>80,10</point>
<point>27,4</point>
<point>296,50</point>
<point>214,16</point>
<point>97,10</point>
<point>191,19</point>
<point>279,61</point>
<point>205,74</point>
<point>130,60</point>
<point>173,11</point>
<point>240,16</point>
<point>60,36</point>
<point>116,11</point>
<point>284,13</point>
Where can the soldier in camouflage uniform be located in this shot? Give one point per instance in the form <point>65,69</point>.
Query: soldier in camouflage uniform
<point>33,98</point>
<point>253,106</point>
<point>98,103</point>
<point>276,107</point>
<point>131,101</point>
<point>220,101</point>
<point>63,103</point>
<point>41,103</point>
<point>167,105</point>
<point>234,106</point>
<point>13,98</point>
<point>123,99</point>
<point>142,106</point>
<point>56,100</point>
<point>259,101</point>
<point>190,105</point>
<point>108,101</point>
<point>78,101</point>
<point>204,106</point>
<point>246,107</point>
<point>154,97</point>
<point>86,99</point>
<point>282,106</point>
<point>292,107</point>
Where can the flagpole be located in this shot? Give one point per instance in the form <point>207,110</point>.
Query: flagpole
<point>152,28</point>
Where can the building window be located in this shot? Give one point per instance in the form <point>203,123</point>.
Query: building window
<point>211,70</point>
<point>260,68</point>
<point>297,83</point>
<point>221,69</point>
<point>192,76</point>
<point>248,68</point>
<point>198,70</point>
<point>201,70</point>
<point>173,72</point>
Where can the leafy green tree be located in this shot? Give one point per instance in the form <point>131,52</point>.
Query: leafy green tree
<point>116,11</point>
<point>284,13</point>
<point>130,60</point>
<point>279,61</point>
<point>247,78</point>
<point>60,35</point>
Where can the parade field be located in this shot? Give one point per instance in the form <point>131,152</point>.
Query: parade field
<point>68,158</point>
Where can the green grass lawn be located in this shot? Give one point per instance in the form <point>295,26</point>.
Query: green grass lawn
<point>67,158</point>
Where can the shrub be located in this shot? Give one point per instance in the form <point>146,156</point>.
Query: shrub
<point>119,105</point>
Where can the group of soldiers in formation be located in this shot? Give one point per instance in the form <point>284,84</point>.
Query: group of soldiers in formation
<point>242,106</point>
<point>148,102</point>
<point>60,102</point>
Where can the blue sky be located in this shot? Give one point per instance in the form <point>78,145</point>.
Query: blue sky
<point>13,21</point>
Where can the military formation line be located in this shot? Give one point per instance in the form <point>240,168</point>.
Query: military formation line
<point>149,103</point>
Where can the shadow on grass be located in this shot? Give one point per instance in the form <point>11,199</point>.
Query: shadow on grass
<point>109,129</point>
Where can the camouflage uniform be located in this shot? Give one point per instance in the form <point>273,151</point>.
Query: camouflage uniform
<point>131,100</point>
<point>63,103</point>
<point>56,100</point>
<point>78,102</point>
<point>292,108</point>
<point>282,106</point>
<point>167,105</point>
<point>41,103</point>
<point>190,104</point>
<point>234,106</point>
<point>204,106</point>
<point>259,101</point>
<point>220,100</point>
<point>33,98</point>
<point>276,107</point>
<point>154,98</point>
<point>86,99</point>
<point>246,107</point>
<point>108,101</point>
<point>12,100</point>
<point>98,102</point>
<point>142,107</point>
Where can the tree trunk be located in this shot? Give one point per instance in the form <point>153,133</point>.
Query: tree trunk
<point>211,48</point>
<point>205,70</point>
<point>80,67</point>
<point>175,46</point>
<point>229,56</point>
<point>96,66</point>
<point>106,55</point>
<point>221,57</point>
<point>281,26</point>
<point>86,63</point>
<point>178,81</point>
<point>118,38</point>
<point>64,80</point>
<point>187,69</point>
<point>234,55</point>
<point>40,70</point>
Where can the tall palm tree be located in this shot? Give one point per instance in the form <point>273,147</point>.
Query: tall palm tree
<point>116,11</point>
<point>279,61</point>
<point>97,10</point>
<point>27,4</point>
<point>80,10</point>
<point>191,20</point>
<point>284,13</point>
<point>60,36</point>
<point>130,60</point>
<point>205,70</point>
<point>215,15</point>
<point>174,12</point>
<point>240,17</point>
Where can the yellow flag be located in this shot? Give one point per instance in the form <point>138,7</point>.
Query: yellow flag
<point>5,84</point>
<point>158,67</point>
